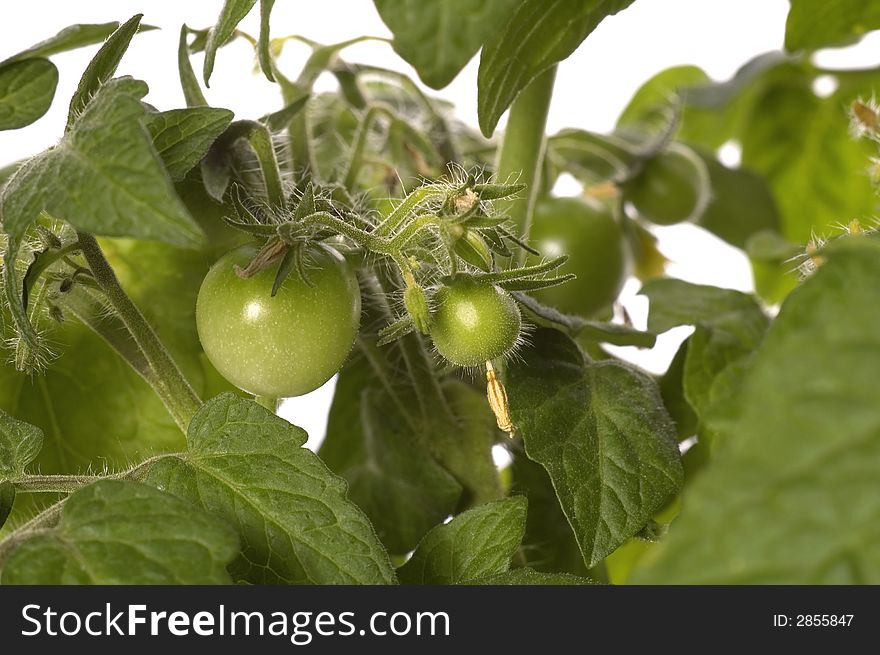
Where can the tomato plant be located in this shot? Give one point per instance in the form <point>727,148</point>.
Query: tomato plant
<point>423,258</point>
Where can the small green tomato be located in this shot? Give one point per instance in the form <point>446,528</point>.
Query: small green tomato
<point>673,187</point>
<point>474,322</point>
<point>280,346</point>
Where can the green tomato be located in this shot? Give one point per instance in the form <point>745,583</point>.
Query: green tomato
<point>587,232</point>
<point>474,322</point>
<point>671,188</point>
<point>285,345</point>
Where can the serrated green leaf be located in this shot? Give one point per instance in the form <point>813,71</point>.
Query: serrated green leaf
<point>814,24</point>
<point>182,137</point>
<point>475,544</point>
<point>539,34</point>
<point>123,532</point>
<point>439,37</point>
<point>527,576</point>
<point>20,444</point>
<point>103,177</point>
<point>102,67</point>
<point>26,91</point>
<point>602,433</point>
<point>792,495</point>
<point>248,466</point>
<point>372,442</point>
<point>231,15</point>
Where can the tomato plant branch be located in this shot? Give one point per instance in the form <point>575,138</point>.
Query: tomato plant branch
<point>521,154</point>
<point>169,383</point>
<point>360,143</point>
<point>408,205</point>
<point>62,484</point>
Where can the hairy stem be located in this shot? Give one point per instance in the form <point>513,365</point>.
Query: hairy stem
<point>169,383</point>
<point>521,154</point>
<point>62,484</point>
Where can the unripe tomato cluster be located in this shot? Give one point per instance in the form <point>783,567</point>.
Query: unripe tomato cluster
<point>293,342</point>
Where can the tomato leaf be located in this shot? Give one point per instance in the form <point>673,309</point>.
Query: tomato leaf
<point>231,15</point>
<point>814,24</point>
<point>549,544</point>
<point>730,325</point>
<point>601,432</point>
<point>248,466</point>
<point>182,137</point>
<point>20,444</point>
<point>26,91</point>
<point>538,35</point>
<point>113,181</point>
<point>741,204</point>
<point>88,385</point>
<point>659,93</point>
<point>792,495</point>
<point>102,67</point>
<point>439,37</point>
<point>392,476</point>
<point>144,536</point>
<point>475,544</point>
<point>189,83</point>
<point>264,42</point>
<point>801,144</point>
<point>70,38</point>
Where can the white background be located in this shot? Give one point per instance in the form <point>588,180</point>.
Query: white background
<point>591,89</point>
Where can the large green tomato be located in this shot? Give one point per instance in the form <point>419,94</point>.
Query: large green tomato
<point>285,345</point>
<point>474,322</point>
<point>672,187</point>
<point>586,232</point>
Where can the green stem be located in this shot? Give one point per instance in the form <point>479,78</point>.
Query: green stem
<point>522,149</point>
<point>62,484</point>
<point>360,144</point>
<point>399,240</point>
<point>409,204</point>
<point>170,384</point>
